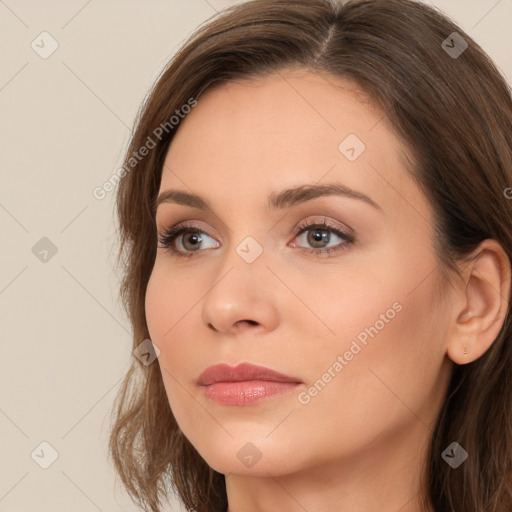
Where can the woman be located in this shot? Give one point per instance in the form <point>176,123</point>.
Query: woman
<point>316,232</point>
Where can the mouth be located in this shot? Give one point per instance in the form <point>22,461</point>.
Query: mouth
<point>244,384</point>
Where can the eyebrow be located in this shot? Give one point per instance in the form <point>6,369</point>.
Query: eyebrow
<point>276,200</point>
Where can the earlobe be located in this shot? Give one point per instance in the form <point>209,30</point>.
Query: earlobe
<point>462,353</point>
<point>485,296</point>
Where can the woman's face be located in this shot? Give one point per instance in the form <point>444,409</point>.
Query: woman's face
<point>357,324</point>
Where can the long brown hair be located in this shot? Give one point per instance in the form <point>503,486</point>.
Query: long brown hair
<point>452,110</point>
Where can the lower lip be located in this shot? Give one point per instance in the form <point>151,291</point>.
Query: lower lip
<point>247,392</point>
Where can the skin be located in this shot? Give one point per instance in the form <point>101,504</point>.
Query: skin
<point>359,443</point>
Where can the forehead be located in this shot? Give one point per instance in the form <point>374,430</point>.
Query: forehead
<point>283,130</point>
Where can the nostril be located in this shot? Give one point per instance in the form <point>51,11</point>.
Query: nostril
<point>250,322</point>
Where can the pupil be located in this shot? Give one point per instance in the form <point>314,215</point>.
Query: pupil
<point>320,235</point>
<point>192,239</point>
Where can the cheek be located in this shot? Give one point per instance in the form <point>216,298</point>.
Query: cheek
<point>157,306</point>
<point>384,360</point>
<point>173,303</point>
<point>383,301</point>
<point>170,298</point>
<point>171,320</point>
<point>169,304</point>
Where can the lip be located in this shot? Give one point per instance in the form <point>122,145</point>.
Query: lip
<point>240,373</point>
<point>244,384</point>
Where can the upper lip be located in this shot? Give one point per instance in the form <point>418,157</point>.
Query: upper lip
<point>241,372</point>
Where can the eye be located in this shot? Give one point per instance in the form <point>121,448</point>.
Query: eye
<point>319,235</point>
<point>185,240</point>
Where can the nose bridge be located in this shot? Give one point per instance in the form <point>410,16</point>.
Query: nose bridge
<point>249,243</point>
<point>242,289</point>
<point>244,266</point>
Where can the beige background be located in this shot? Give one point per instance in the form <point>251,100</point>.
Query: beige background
<point>66,122</point>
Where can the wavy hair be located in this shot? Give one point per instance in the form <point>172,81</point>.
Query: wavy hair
<point>454,114</point>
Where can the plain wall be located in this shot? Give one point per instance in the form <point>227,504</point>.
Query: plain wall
<point>66,123</point>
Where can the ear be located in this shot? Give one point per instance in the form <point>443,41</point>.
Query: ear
<point>482,303</point>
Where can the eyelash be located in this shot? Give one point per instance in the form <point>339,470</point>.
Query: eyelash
<point>170,235</point>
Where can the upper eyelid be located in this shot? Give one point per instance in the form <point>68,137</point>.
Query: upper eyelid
<point>189,224</point>
<point>299,228</point>
<point>196,224</point>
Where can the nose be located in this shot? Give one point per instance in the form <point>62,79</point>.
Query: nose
<point>242,299</point>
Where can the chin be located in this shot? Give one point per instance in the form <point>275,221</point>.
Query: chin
<point>248,458</point>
